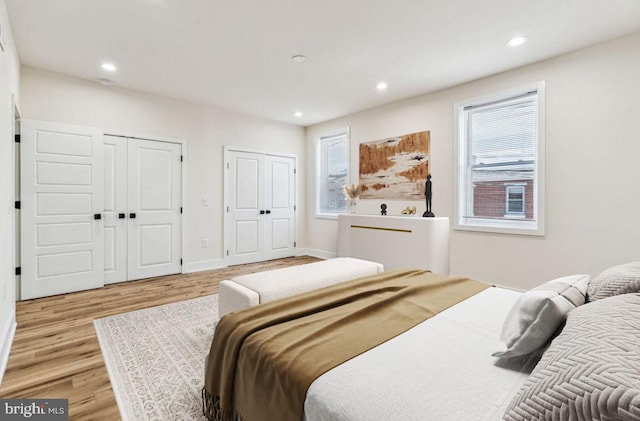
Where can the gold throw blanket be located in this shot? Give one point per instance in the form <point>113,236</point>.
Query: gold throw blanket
<point>263,359</point>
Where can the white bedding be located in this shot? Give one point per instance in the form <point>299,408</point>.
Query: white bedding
<point>441,369</point>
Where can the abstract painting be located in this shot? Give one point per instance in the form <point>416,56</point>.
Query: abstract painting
<point>395,168</point>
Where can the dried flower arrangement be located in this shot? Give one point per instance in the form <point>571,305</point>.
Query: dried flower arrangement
<point>352,191</point>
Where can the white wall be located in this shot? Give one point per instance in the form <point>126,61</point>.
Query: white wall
<point>9,86</point>
<point>53,97</point>
<point>593,148</point>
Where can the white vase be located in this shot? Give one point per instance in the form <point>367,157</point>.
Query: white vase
<point>352,206</point>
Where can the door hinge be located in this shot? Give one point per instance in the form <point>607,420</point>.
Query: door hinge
<point>17,204</point>
<point>18,271</point>
<point>295,171</point>
<point>227,165</point>
<point>180,262</point>
<point>294,207</point>
<point>227,208</point>
<point>181,158</point>
<point>227,252</point>
<point>180,209</point>
<point>295,244</point>
<point>17,138</point>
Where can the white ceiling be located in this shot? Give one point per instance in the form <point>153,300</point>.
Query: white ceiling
<point>236,54</point>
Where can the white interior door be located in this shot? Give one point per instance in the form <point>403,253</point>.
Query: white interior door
<point>260,209</point>
<point>62,197</point>
<point>115,209</point>
<point>246,186</point>
<point>280,203</point>
<point>154,223</point>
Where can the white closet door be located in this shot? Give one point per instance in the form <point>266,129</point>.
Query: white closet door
<point>246,193</point>
<point>260,219</point>
<point>62,197</point>
<point>155,182</point>
<point>115,209</point>
<point>280,202</point>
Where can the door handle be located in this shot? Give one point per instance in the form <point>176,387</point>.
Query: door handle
<point>132,215</point>
<point>262,212</point>
<point>268,212</point>
<point>97,216</point>
<point>121,216</point>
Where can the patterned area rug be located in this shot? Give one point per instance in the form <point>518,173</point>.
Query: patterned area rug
<point>155,358</point>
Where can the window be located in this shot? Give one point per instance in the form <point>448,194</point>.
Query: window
<point>514,200</point>
<point>500,150</point>
<point>332,173</point>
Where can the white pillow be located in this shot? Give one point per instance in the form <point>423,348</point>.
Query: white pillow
<point>538,313</point>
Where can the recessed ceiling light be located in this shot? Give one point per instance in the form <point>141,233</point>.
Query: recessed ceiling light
<point>109,67</point>
<point>381,86</point>
<point>298,114</point>
<point>514,42</point>
<point>299,58</point>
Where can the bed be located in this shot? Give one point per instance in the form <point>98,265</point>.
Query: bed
<point>442,368</point>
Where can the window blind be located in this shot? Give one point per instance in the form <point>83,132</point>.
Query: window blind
<point>333,174</point>
<point>502,138</point>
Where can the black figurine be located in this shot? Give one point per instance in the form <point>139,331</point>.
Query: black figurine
<point>383,209</point>
<point>427,195</point>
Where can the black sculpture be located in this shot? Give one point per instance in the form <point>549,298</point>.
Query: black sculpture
<point>383,209</point>
<point>427,195</point>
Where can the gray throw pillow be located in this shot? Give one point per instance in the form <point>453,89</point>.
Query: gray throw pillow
<point>538,313</point>
<point>616,280</point>
<point>591,371</point>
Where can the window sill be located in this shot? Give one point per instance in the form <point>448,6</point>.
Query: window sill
<point>502,227</point>
<point>328,215</point>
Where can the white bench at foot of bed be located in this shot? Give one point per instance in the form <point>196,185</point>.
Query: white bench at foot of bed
<point>250,290</point>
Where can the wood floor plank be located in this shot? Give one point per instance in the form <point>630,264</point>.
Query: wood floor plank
<point>56,354</point>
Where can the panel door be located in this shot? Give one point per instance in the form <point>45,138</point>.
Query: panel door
<point>280,204</point>
<point>246,201</point>
<point>62,248</point>
<point>260,215</point>
<point>115,209</point>
<point>154,224</point>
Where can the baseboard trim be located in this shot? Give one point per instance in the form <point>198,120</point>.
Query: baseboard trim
<point>320,254</point>
<point>7,341</point>
<point>190,267</point>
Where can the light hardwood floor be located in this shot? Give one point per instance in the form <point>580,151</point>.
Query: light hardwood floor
<point>55,352</point>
